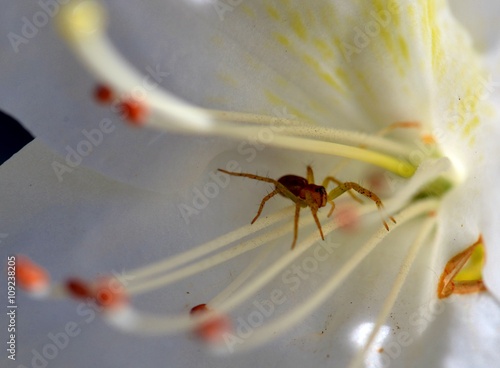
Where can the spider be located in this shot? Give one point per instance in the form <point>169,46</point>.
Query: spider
<point>304,193</point>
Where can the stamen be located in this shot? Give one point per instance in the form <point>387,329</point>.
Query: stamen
<point>281,324</point>
<point>425,230</point>
<point>397,166</point>
<point>209,247</point>
<point>82,24</point>
<point>303,129</point>
<point>268,275</point>
<point>381,133</point>
<point>209,262</point>
<point>241,278</point>
<point>156,325</point>
<point>428,171</point>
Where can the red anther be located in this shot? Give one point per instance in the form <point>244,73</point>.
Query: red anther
<point>212,331</point>
<point>78,289</point>
<point>133,111</point>
<point>109,293</point>
<point>198,309</point>
<point>29,275</point>
<point>103,94</point>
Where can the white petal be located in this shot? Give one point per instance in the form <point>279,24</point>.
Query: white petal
<point>472,323</point>
<point>481,21</point>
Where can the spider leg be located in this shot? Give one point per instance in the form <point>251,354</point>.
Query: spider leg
<point>251,176</point>
<point>296,224</point>
<point>331,209</point>
<point>279,187</point>
<point>314,210</point>
<point>344,187</point>
<point>329,179</point>
<point>310,175</point>
<point>263,202</point>
<point>315,215</point>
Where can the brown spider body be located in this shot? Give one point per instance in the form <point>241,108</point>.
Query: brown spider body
<point>301,188</point>
<point>304,193</point>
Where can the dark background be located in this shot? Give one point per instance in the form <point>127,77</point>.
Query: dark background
<point>13,137</point>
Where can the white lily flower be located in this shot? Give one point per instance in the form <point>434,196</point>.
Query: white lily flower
<point>392,96</point>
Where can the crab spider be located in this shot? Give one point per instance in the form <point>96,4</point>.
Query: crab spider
<point>304,193</point>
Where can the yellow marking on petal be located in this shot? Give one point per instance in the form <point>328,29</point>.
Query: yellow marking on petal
<point>326,76</point>
<point>248,10</point>
<point>323,48</point>
<point>471,125</point>
<point>367,86</point>
<point>273,12</point>
<point>327,16</point>
<point>278,101</point>
<point>282,39</point>
<point>342,75</point>
<point>386,33</point>
<point>404,49</point>
<point>474,267</point>
<point>298,26</point>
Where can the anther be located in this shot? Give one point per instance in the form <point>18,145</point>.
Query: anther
<point>31,277</point>
<point>103,94</point>
<point>133,111</point>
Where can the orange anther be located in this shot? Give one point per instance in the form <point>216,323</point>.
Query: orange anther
<point>30,276</point>
<point>212,330</point>
<point>428,139</point>
<point>133,111</point>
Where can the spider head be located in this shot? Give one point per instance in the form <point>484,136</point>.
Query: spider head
<point>318,194</point>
